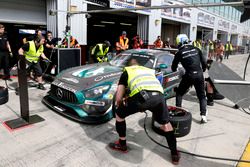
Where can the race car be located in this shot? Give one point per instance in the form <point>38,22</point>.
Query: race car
<point>86,93</point>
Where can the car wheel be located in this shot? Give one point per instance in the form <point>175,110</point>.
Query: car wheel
<point>4,95</point>
<point>180,119</point>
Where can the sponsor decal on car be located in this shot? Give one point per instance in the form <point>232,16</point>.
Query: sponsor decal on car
<point>99,78</point>
<point>172,78</point>
<point>94,103</point>
<point>71,79</point>
<point>62,85</point>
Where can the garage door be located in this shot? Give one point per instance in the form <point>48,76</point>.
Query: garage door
<point>23,11</point>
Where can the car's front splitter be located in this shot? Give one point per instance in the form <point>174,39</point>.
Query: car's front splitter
<point>69,112</point>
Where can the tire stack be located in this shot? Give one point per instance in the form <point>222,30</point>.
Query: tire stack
<point>180,119</point>
<point>4,95</point>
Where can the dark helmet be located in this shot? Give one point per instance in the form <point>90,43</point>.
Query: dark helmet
<point>107,43</point>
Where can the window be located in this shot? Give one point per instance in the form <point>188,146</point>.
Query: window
<point>165,59</point>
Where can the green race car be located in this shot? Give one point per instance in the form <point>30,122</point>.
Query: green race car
<point>86,93</point>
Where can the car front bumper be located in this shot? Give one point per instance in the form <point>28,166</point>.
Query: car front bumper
<point>70,112</point>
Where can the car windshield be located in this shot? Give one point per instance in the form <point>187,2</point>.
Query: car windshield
<point>122,59</point>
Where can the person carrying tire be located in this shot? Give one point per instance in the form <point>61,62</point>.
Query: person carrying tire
<point>194,64</point>
<point>146,93</point>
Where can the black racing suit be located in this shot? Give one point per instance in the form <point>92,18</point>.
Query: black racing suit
<point>4,56</point>
<point>194,64</point>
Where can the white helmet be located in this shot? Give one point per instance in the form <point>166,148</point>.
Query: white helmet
<point>181,39</point>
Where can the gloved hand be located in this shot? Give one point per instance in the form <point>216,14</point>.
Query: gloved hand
<point>99,60</point>
<point>11,54</point>
<point>47,60</point>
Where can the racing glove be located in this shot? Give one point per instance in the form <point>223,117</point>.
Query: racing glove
<point>11,54</point>
<point>99,60</point>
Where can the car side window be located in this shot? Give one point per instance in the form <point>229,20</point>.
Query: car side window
<point>165,59</point>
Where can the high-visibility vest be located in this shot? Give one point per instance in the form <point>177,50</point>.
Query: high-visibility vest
<point>101,53</point>
<point>197,44</point>
<point>33,55</point>
<point>123,43</point>
<point>211,45</point>
<point>142,78</point>
<point>228,48</point>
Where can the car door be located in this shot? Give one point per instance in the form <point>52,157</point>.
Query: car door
<point>170,79</point>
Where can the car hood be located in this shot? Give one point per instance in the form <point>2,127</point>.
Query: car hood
<point>88,76</point>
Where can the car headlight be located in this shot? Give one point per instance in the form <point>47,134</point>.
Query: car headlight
<point>97,91</point>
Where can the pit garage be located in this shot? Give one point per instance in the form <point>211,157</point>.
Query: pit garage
<point>170,29</point>
<point>103,26</point>
<point>21,19</point>
<point>204,33</point>
<point>222,36</point>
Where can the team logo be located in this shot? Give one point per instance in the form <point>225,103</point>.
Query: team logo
<point>59,93</point>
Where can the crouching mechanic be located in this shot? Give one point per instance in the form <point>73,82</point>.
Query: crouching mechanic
<point>99,52</point>
<point>194,64</point>
<point>146,93</point>
<point>32,51</point>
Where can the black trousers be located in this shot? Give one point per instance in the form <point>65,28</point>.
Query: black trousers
<point>187,81</point>
<point>4,63</point>
<point>156,104</point>
<point>227,53</point>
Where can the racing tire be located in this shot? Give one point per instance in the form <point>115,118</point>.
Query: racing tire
<point>4,95</point>
<point>180,119</point>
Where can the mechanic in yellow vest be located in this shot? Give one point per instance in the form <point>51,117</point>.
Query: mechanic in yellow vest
<point>197,44</point>
<point>228,49</point>
<point>146,93</point>
<point>211,49</point>
<point>99,52</point>
<point>32,51</point>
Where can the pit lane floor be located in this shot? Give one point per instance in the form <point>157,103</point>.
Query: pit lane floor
<point>58,141</point>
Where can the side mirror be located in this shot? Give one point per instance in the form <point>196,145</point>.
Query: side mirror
<point>163,66</point>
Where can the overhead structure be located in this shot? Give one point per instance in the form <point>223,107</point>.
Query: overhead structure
<point>245,16</point>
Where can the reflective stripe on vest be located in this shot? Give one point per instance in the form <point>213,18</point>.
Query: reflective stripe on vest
<point>101,53</point>
<point>123,42</point>
<point>211,45</point>
<point>197,44</point>
<point>230,48</point>
<point>142,78</point>
<point>33,55</point>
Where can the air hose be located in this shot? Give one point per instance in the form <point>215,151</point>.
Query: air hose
<point>190,153</point>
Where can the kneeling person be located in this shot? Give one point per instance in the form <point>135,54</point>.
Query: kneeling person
<point>146,93</point>
<point>32,51</point>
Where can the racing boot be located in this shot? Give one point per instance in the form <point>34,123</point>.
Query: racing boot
<point>119,145</point>
<point>210,99</point>
<point>175,158</point>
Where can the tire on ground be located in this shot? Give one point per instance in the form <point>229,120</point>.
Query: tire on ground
<point>181,121</point>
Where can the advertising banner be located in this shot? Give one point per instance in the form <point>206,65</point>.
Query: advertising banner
<point>181,13</point>
<point>104,3</point>
<point>129,3</point>
<point>205,19</point>
<point>223,25</point>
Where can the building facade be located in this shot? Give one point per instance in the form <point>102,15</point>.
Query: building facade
<point>198,23</point>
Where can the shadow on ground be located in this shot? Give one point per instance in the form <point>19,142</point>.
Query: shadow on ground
<point>138,142</point>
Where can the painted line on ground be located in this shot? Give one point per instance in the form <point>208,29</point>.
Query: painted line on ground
<point>245,156</point>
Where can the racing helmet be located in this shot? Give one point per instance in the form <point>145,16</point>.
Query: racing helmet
<point>181,39</point>
<point>107,43</point>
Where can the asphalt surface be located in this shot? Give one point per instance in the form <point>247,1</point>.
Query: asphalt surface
<point>58,141</point>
